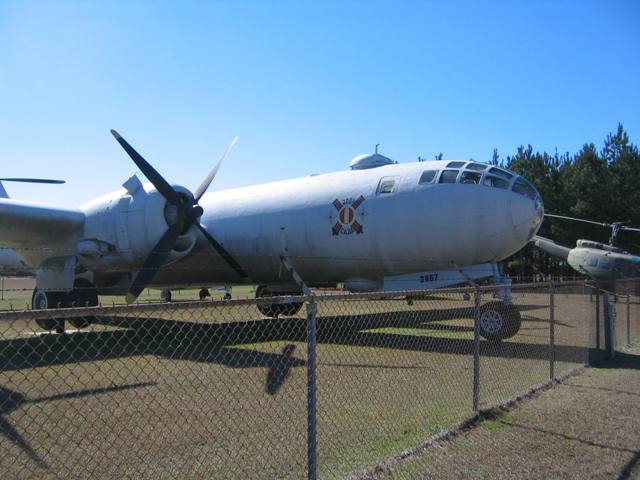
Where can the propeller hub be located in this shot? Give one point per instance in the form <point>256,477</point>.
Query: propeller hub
<point>195,212</point>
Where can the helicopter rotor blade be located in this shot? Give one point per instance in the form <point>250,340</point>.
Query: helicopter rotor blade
<point>602,224</point>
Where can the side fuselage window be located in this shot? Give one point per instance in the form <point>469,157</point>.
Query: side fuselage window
<point>428,176</point>
<point>470,177</point>
<point>386,185</point>
<point>448,176</point>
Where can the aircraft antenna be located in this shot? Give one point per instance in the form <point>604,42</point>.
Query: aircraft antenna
<point>377,145</point>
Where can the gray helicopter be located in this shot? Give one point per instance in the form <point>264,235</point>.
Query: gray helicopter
<point>599,261</point>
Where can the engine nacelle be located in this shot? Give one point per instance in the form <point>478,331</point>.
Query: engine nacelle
<point>122,228</point>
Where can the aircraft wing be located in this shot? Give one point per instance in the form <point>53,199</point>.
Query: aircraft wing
<point>551,247</point>
<point>28,224</point>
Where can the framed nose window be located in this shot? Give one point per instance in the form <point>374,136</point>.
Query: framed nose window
<point>448,176</point>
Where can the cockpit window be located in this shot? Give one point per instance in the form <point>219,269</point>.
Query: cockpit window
<point>455,164</point>
<point>470,177</point>
<point>501,173</point>
<point>448,176</point>
<point>603,262</point>
<point>490,181</point>
<point>428,176</point>
<point>524,188</point>
<point>478,167</point>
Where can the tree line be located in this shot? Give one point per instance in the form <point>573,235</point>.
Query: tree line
<point>594,184</point>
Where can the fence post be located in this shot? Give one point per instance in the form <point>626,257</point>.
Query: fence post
<point>476,352</point>
<point>597,317</point>
<point>552,332</point>
<point>628,318</point>
<point>312,454</point>
<point>609,331</point>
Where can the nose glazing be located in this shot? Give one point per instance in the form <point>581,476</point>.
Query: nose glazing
<point>527,209</point>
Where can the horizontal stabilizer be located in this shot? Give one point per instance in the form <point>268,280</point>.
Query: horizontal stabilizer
<point>3,192</point>
<point>551,247</point>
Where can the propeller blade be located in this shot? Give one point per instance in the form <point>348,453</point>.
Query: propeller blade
<point>154,261</point>
<point>631,229</point>
<point>602,224</point>
<point>200,191</point>
<point>152,175</point>
<point>223,253</point>
<point>32,180</point>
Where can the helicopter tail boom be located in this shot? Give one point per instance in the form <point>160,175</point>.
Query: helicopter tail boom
<point>551,247</point>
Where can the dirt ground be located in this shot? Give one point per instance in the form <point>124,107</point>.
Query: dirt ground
<point>586,427</point>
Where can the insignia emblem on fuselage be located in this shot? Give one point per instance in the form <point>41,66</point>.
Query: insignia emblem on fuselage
<point>347,223</point>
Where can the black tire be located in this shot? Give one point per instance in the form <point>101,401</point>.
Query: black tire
<point>84,294</point>
<point>42,300</point>
<point>274,310</point>
<point>499,321</point>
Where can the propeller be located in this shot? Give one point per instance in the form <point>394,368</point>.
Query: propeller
<point>187,213</point>
<point>616,227</point>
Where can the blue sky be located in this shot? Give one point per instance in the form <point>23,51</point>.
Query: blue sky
<point>305,85</point>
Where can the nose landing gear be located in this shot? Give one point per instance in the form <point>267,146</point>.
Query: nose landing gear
<point>499,321</point>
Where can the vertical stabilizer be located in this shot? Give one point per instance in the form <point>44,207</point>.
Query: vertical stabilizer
<point>3,192</point>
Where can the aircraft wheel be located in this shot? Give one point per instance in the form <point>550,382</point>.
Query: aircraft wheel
<point>41,300</point>
<point>274,310</point>
<point>499,321</point>
<point>165,295</point>
<point>83,295</point>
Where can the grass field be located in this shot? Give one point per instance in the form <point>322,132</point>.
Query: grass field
<point>16,294</point>
<point>220,392</point>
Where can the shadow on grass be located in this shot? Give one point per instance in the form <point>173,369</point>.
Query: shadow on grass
<point>228,343</point>
<point>11,400</point>
<point>622,360</point>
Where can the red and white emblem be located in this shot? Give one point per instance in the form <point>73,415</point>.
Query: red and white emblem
<point>347,222</point>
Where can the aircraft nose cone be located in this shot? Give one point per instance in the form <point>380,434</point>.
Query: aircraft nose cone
<point>527,210</point>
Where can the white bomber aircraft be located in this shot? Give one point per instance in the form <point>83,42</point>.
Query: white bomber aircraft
<point>378,226</point>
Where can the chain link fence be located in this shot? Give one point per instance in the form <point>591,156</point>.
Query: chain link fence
<point>346,387</point>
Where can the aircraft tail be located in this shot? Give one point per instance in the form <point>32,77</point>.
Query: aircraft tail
<point>3,192</point>
<point>551,247</point>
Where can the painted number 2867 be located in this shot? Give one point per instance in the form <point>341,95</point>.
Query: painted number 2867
<point>430,277</point>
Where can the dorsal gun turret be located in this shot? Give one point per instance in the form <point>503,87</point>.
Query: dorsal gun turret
<point>370,160</point>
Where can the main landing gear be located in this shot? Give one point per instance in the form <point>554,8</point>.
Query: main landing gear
<point>84,294</point>
<point>274,310</point>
